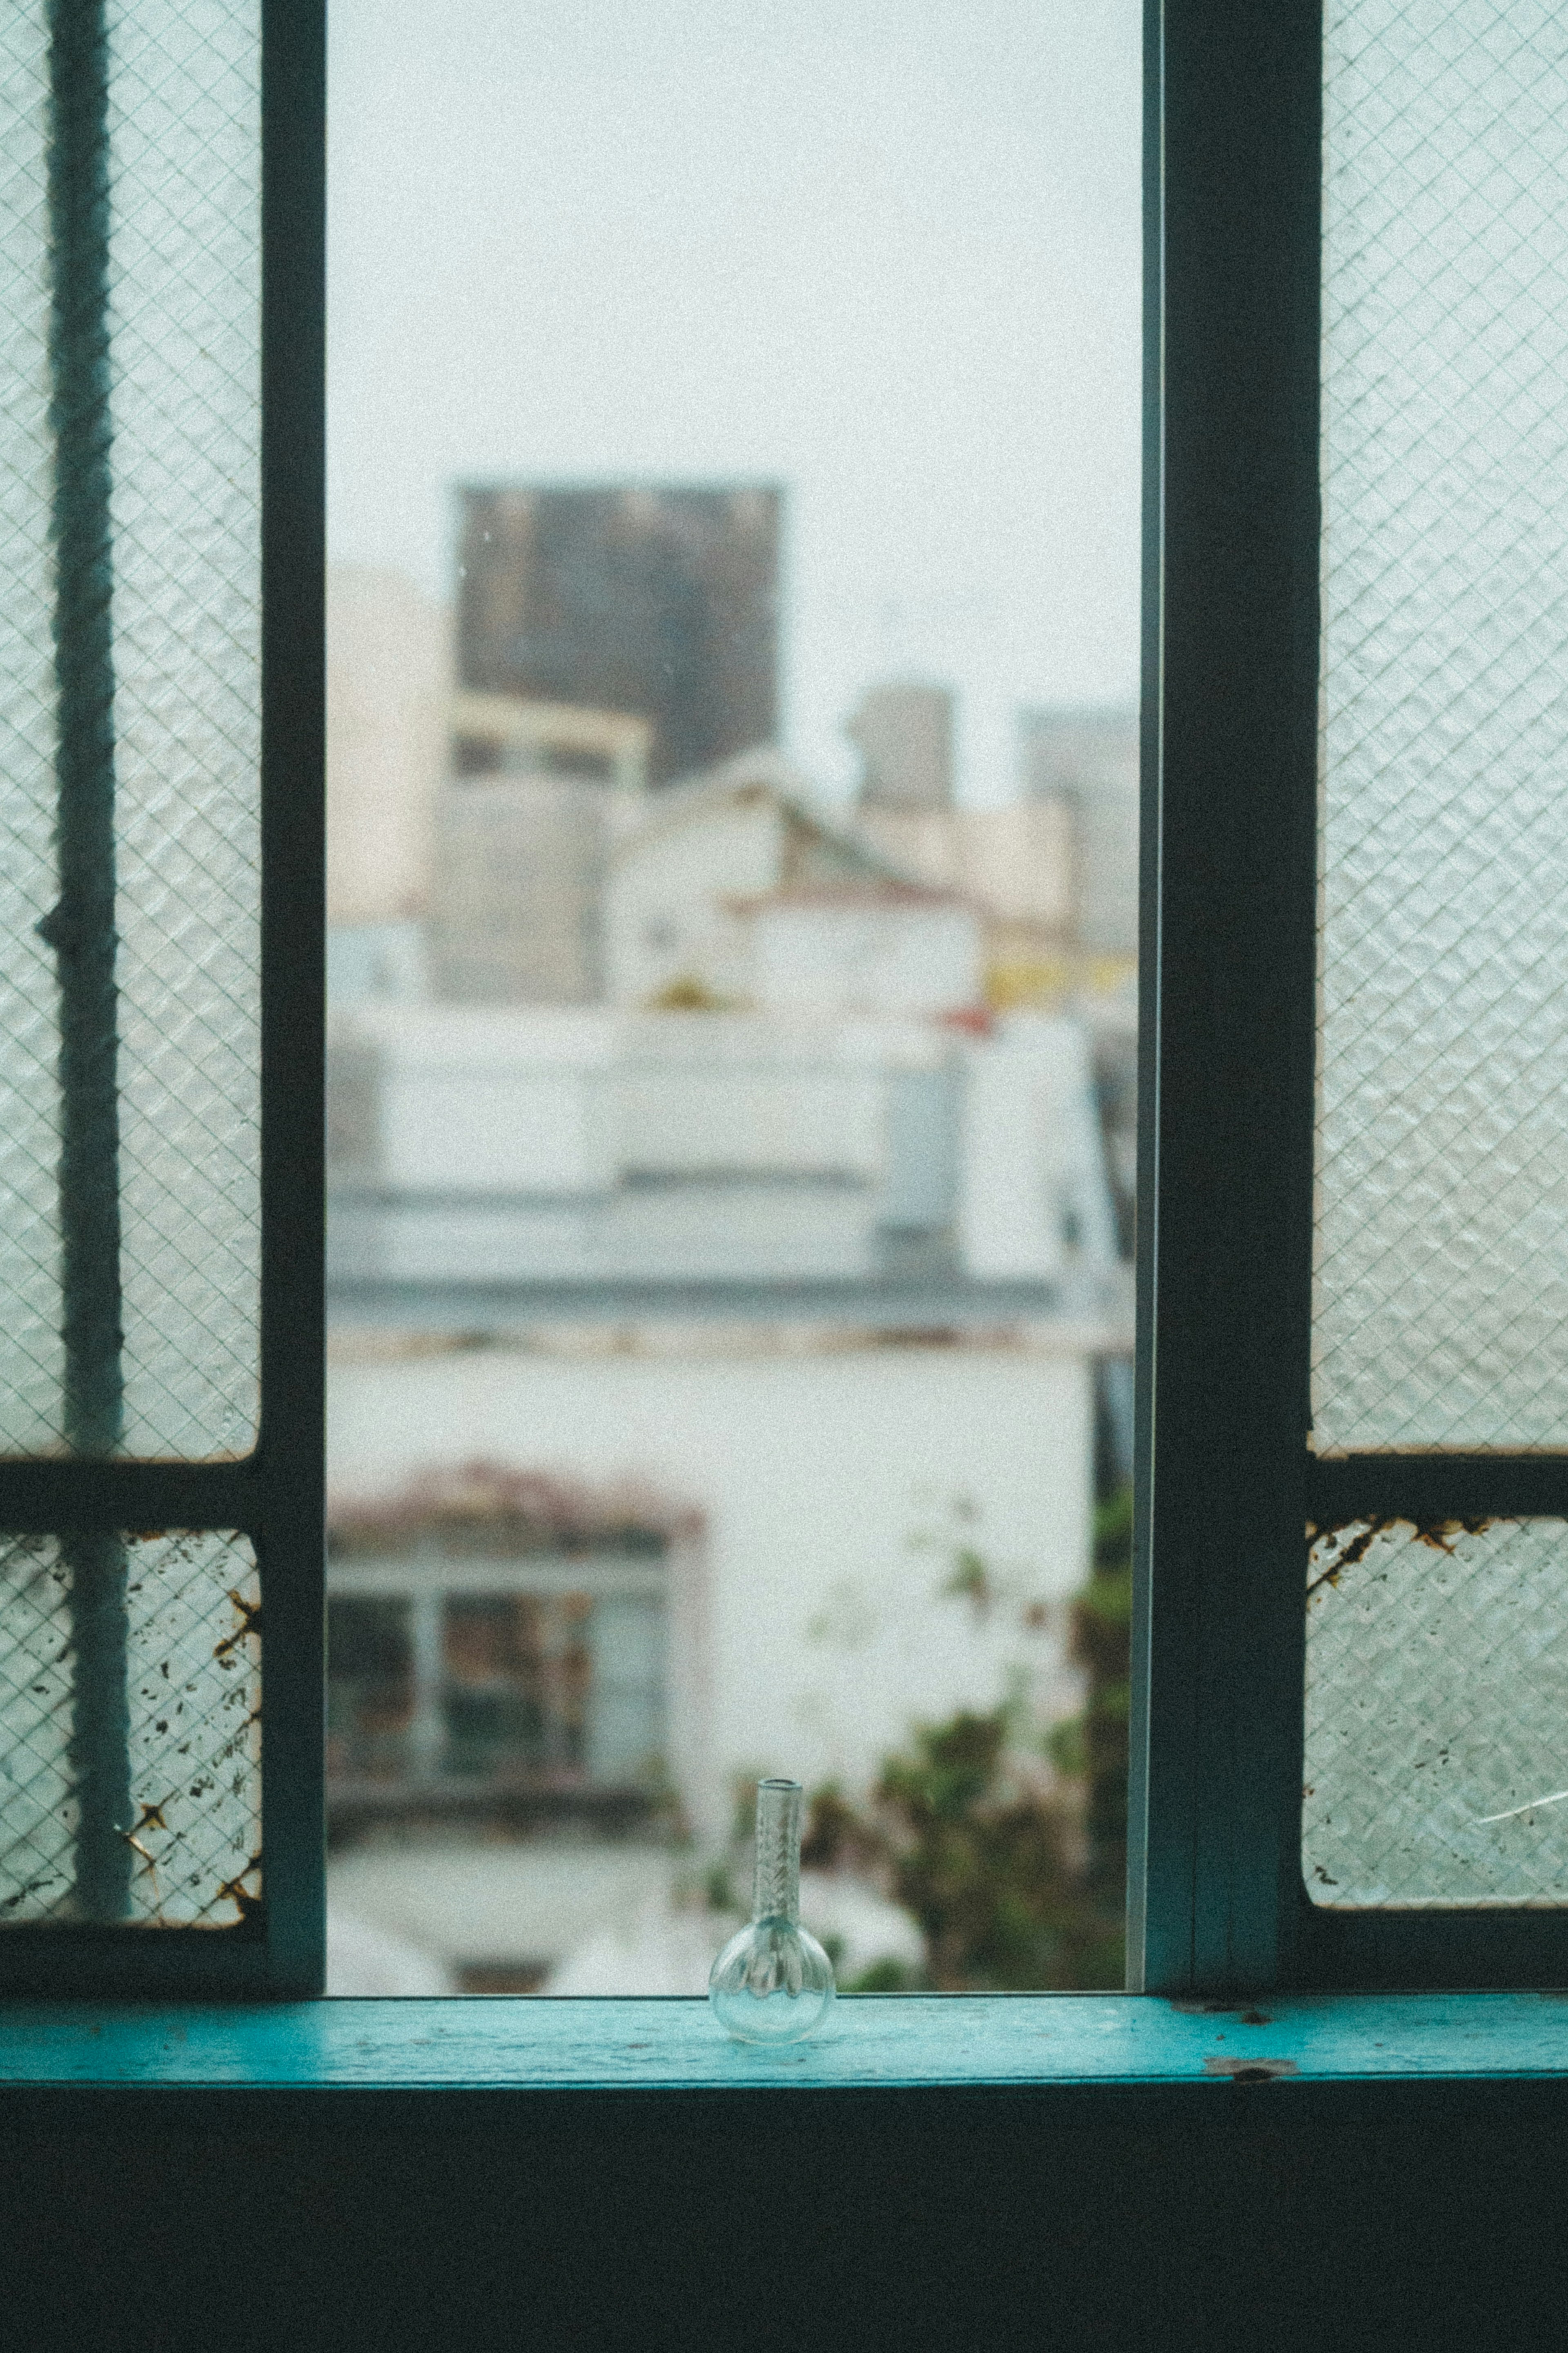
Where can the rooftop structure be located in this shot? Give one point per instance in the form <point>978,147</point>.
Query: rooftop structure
<point>388,663</point>
<point>681,873</point>
<point>524,827</point>
<point>659,601</point>
<point>505,734</point>
<point>515,902</point>
<point>494,1167</point>
<point>1013,864</point>
<point>1086,762</point>
<point>904,731</point>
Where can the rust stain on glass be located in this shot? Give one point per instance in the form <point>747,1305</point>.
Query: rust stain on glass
<point>191,1830</point>
<point>1360,1534</point>
<point>1436,1694</point>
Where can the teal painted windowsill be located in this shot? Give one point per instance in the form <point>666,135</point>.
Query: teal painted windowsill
<point>891,2041</point>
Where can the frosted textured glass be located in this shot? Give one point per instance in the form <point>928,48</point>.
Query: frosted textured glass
<point>1441,1310</point>
<point>184,324</point>
<point>39,1816</point>
<point>194,1692</point>
<point>1437,1695</point>
<point>30,1353</point>
<point>184,296</point>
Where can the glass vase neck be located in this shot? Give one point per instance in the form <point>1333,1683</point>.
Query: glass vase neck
<point>776,1887</point>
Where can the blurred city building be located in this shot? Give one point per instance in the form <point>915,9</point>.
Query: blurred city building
<point>692,861</point>
<point>528,1705</point>
<point>388,682</point>
<point>1014,865</point>
<point>517,891</point>
<point>656,600</point>
<point>871,948</point>
<point>1053,873</point>
<point>493,1156</point>
<point>659,1341</point>
<point>904,731</point>
<point>499,1652</point>
<point>379,960</point>
<point>723,1193</point>
<point>1085,763</point>
<point>524,825</point>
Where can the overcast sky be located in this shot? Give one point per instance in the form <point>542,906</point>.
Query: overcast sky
<point>885,251</point>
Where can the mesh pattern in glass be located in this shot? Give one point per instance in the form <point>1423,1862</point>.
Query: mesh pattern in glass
<point>1437,1698</point>
<point>1442,1246</point>
<point>193,1686</point>
<point>30,1352</point>
<point>186,319</point>
<point>184,339</point>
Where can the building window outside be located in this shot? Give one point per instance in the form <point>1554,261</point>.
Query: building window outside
<point>494,1655</point>
<point>511,1686</point>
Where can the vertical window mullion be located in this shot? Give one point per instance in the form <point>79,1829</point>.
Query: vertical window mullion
<point>80,929</point>
<point>1226,950</point>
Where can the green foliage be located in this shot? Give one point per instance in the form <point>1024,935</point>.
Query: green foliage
<point>1098,1640</point>
<point>719,1889</point>
<point>971,1579</point>
<point>981,1859</point>
<point>1015,1885</point>
<point>889,1976</point>
<point>836,1837</point>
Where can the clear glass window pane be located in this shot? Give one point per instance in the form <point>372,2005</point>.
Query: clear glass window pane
<point>370,1688</point>
<point>733,780</point>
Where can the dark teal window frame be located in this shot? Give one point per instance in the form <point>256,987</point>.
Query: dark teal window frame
<point>276,1494</point>
<point>1226,1483</point>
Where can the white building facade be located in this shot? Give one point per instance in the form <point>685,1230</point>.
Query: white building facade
<point>526,1145</point>
<point>806,1624</point>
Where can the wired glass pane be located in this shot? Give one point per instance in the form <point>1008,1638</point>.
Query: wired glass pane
<point>1442,1238</point>
<point>1437,1698</point>
<point>185,316</point>
<point>133,343</point>
<point>185,1695</point>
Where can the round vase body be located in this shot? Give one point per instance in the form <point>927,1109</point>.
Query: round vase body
<point>771,1983</point>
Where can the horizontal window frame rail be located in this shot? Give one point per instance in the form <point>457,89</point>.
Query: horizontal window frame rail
<point>1406,1948</point>
<point>882,1302</point>
<point>1428,1488</point>
<point>41,1497</point>
<point>1173,2205</point>
<point>1098,2043</point>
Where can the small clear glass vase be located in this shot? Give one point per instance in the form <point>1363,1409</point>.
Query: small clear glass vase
<point>773,1982</point>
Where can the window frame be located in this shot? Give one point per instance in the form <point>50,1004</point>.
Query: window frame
<point>275,1494</point>
<point>1227,1484</point>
